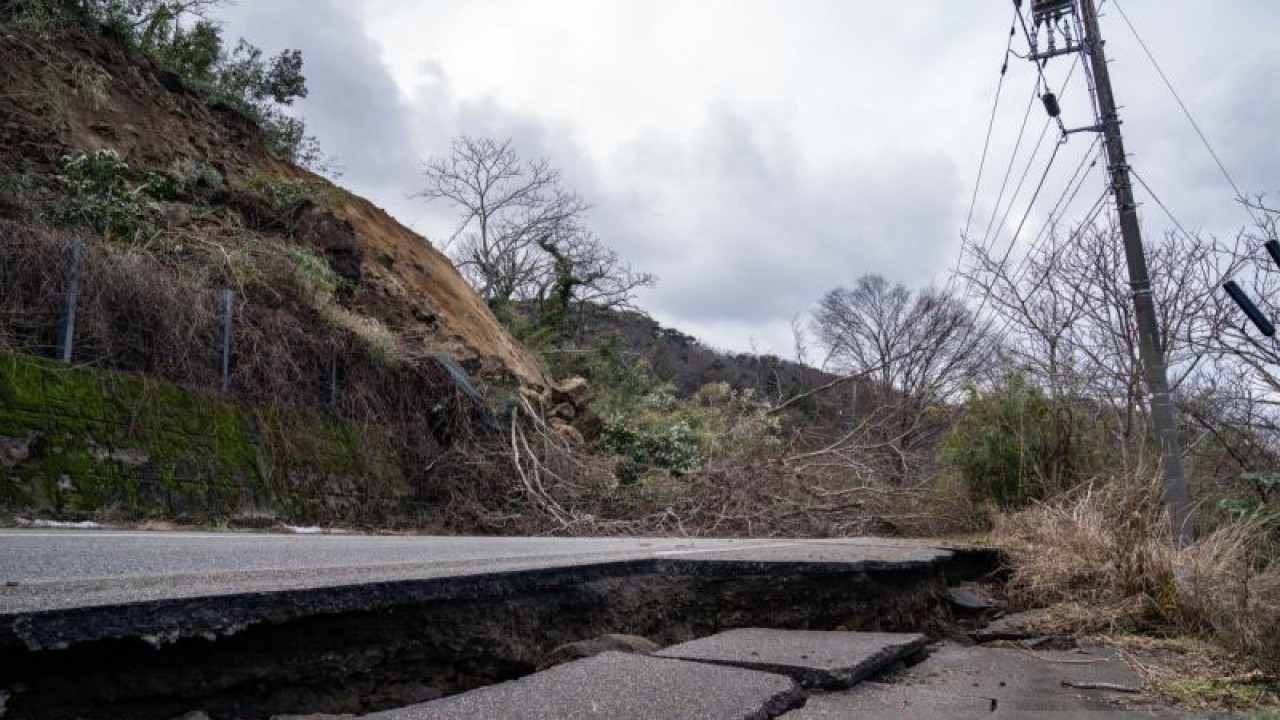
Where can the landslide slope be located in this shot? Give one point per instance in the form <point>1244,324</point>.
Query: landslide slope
<point>61,99</point>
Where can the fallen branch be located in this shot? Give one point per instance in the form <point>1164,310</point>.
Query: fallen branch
<point>1114,687</point>
<point>1063,661</point>
<point>837,382</point>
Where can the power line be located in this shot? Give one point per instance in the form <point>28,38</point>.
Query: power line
<point>1137,176</point>
<point>1026,170</point>
<point>1014,240</point>
<point>986,296</point>
<point>1022,179</point>
<point>1186,111</point>
<point>1013,158</point>
<point>1016,276</point>
<point>1078,178</point>
<point>1089,217</point>
<point>1034,196</point>
<point>991,122</point>
<point>1069,193</point>
<point>1039,64</point>
<point>1045,233</point>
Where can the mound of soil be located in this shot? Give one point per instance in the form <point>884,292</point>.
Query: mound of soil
<point>59,98</point>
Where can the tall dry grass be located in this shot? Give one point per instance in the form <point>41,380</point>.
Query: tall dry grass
<point>1229,588</point>
<point>1101,559</point>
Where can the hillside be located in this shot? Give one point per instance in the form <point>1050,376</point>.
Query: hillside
<point>62,99</point>
<point>250,342</point>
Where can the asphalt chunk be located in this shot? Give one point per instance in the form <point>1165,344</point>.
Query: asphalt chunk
<point>814,658</point>
<point>972,682</point>
<point>620,686</point>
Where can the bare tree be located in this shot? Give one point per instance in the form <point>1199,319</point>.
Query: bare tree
<point>910,353</point>
<point>521,236</point>
<point>925,345</point>
<point>1065,312</point>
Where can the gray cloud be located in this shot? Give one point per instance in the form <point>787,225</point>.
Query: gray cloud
<point>740,228</point>
<point>749,213</point>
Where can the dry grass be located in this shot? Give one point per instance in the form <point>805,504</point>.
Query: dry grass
<point>1101,560</point>
<point>1229,588</point>
<point>1195,674</point>
<point>1100,553</point>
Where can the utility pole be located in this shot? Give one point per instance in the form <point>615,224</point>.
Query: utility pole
<point>1163,416</point>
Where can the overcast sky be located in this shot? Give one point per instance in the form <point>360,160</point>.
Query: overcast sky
<point>754,154</point>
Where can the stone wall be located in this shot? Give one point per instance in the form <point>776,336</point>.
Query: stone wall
<point>82,442</point>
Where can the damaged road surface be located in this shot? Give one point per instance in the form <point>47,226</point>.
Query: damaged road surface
<point>153,625</point>
<point>759,673</point>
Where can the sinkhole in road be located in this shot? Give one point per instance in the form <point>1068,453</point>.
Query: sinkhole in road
<point>364,648</point>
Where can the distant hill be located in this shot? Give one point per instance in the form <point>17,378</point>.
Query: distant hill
<point>688,364</point>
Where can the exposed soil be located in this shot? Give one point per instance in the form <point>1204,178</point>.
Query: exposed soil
<point>65,97</point>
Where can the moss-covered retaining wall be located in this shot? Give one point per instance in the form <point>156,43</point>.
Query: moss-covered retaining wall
<point>77,441</point>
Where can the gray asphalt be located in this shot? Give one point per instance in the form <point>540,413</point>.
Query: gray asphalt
<point>813,658</point>
<point>621,687</point>
<point>60,569</point>
<point>957,682</point>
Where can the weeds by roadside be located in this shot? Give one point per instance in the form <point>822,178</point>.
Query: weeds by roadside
<point>1199,675</point>
<point>1099,560</point>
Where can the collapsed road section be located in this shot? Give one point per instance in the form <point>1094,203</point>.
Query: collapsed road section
<point>153,625</point>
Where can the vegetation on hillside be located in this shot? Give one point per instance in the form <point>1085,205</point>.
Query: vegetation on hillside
<point>179,36</point>
<point>160,162</point>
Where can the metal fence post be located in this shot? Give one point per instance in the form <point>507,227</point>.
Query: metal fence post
<point>226,340</point>
<point>67,324</point>
<point>333,379</point>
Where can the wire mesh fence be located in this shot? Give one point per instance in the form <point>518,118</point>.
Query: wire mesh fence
<point>123,309</point>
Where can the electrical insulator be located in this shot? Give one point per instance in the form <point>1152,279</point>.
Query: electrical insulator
<point>1051,104</point>
<point>1260,321</point>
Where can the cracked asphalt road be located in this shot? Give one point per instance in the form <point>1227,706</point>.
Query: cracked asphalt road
<point>60,569</point>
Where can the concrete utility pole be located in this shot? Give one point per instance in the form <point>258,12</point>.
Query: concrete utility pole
<point>1163,415</point>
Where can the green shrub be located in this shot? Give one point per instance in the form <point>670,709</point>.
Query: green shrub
<point>101,196</point>
<point>1004,442</point>
<point>91,83</point>
<point>195,173</point>
<point>380,340</point>
<point>1254,501</point>
<point>619,379</point>
<point>650,427</point>
<point>732,423</point>
<point>643,446</point>
<point>664,431</point>
<point>16,189</point>
<point>524,325</point>
<point>288,195</point>
<point>182,179</point>
<point>39,17</point>
<point>315,279</point>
